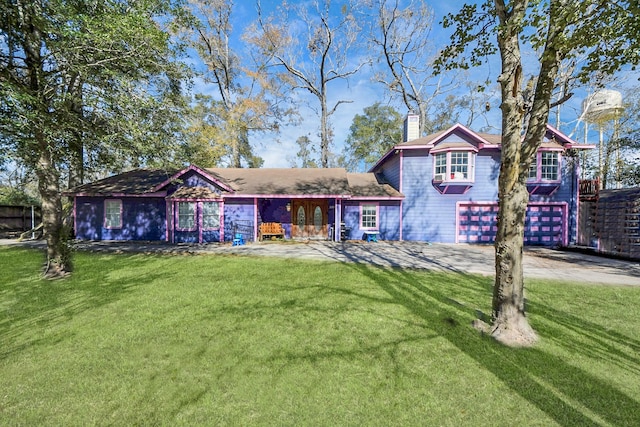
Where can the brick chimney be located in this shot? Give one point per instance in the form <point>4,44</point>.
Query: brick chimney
<point>411,127</point>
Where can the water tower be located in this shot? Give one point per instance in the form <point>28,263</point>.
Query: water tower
<point>600,108</point>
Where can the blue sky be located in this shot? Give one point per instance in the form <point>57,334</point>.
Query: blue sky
<point>278,150</point>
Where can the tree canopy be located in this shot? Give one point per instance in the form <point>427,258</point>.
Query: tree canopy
<point>83,83</point>
<point>372,134</point>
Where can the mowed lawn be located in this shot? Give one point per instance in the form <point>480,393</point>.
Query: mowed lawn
<point>229,340</point>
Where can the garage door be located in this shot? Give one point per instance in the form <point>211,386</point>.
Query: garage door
<point>544,224</point>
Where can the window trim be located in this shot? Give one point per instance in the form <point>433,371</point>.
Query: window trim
<point>104,219</point>
<point>376,206</point>
<point>448,178</point>
<point>195,213</point>
<point>204,227</point>
<point>537,161</point>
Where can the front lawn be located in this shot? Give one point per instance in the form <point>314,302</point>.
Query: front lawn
<point>229,340</point>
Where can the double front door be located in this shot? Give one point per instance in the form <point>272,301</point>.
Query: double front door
<point>310,219</point>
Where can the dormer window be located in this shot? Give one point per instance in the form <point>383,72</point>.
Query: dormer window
<point>545,167</point>
<point>453,166</point>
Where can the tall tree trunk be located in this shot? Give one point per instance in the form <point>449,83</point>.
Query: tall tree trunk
<point>58,256</point>
<point>324,133</point>
<point>510,325</point>
<point>236,160</point>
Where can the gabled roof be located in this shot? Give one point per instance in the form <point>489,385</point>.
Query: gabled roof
<point>371,185</point>
<point>239,182</point>
<point>554,139</point>
<point>284,181</point>
<point>554,135</point>
<point>199,171</point>
<point>136,182</point>
<point>433,139</point>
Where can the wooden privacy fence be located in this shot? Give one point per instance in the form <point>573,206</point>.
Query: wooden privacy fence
<point>15,218</point>
<point>610,223</point>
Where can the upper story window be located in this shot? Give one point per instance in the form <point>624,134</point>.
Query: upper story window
<point>545,167</point>
<point>369,216</point>
<point>186,216</point>
<point>453,166</point>
<point>113,214</point>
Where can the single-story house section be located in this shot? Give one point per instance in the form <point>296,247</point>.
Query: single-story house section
<point>211,205</point>
<point>438,188</point>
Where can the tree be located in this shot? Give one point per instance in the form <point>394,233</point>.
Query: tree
<point>305,153</point>
<point>72,72</point>
<point>245,99</point>
<point>17,187</point>
<point>402,44</point>
<point>372,134</point>
<point>311,61</point>
<point>603,35</point>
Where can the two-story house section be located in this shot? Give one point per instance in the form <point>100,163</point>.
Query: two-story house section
<point>450,183</point>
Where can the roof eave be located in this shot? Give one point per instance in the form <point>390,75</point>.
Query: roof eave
<point>578,146</point>
<point>198,170</point>
<point>119,194</point>
<point>392,198</point>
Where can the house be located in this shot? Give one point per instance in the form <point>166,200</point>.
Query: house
<point>450,185</point>
<point>212,205</point>
<point>438,188</point>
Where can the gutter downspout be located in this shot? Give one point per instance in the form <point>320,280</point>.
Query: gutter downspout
<point>401,201</point>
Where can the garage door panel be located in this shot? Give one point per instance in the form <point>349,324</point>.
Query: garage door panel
<point>544,224</point>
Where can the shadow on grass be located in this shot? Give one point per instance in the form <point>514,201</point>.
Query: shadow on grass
<point>598,343</point>
<point>38,304</point>
<point>565,392</point>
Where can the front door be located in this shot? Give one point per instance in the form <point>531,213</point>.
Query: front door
<point>310,219</point>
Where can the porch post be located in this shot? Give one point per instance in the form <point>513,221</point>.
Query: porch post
<point>221,220</point>
<point>199,220</point>
<point>337,220</point>
<point>255,219</point>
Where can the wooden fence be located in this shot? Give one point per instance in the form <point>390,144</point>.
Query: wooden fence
<point>18,218</point>
<point>611,223</point>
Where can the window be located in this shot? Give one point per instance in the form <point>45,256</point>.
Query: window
<point>545,167</point>
<point>533,170</point>
<point>441,165</point>
<point>186,215</point>
<point>369,217</point>
<point>453,166</point>
<point>317,218</point>
<point>460,165</point>
<point>113,214</point>
<point>210,215</point>
<point>549,166</point>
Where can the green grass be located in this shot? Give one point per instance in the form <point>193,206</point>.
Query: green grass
<point>227,340</point>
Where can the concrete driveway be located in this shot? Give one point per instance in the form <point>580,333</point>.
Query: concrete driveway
<point>538,262</point>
